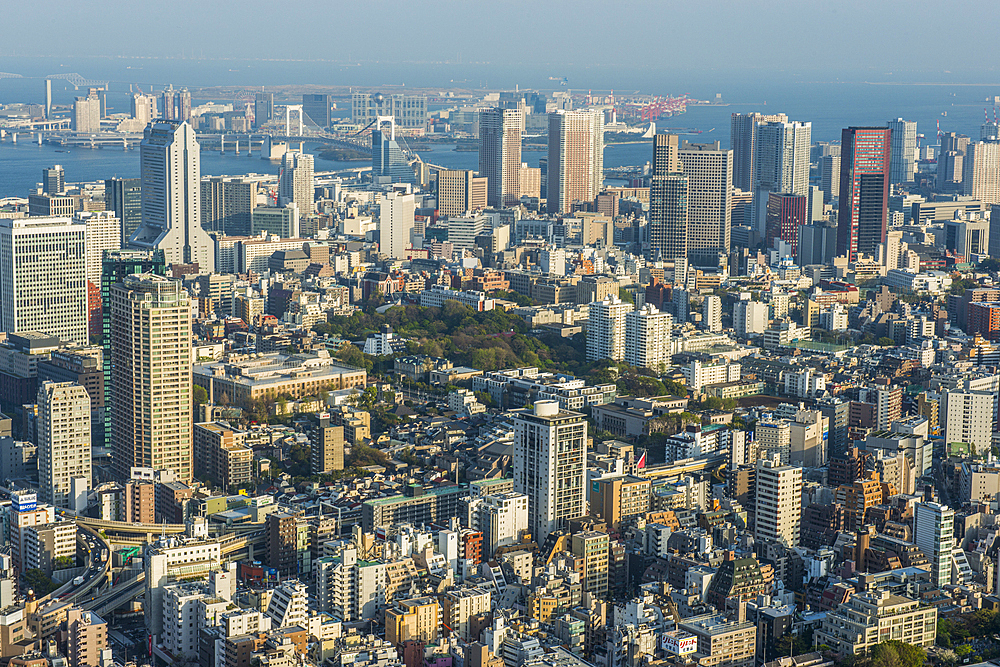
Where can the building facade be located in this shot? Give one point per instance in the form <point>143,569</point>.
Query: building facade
<point>170,166</point>
<point>550,459</point>
<point>151,389</point>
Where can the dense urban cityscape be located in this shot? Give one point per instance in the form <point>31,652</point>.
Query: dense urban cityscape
<point>428,380</point>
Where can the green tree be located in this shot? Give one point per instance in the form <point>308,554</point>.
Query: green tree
<point>885,342</point>
<point>896,654</point>
<point>200,395</point>
<point>63,562</point>
<point>625,295</point>
<point>352,356</point>
<point>40,582</point>
<point>991,265</point>
<point>675,388</point>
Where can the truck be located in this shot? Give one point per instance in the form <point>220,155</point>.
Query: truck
<point>78,581</point>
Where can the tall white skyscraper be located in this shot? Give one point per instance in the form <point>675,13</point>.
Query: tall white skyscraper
<point>151,386</point>
<point>606,329</point>
<point>647,337</point>
<point>550,463</point>
<point>711,313</point>
<point>63,441</point>
<point>981,171</point>
<point>934,534</point>
<point>295,184</point>
<point>170,168</point>
<point>43,277</point>
<point>782,164</point>
<point>104,232</point>
<point>87,114</point>
<point>576,158</point>
<point>743,141</point>
<point>778,510</point>
<point>395,223</point>
<point>144,108</point>
<point>903,147</point>
<point>500,130</point>
<point>709,171</point>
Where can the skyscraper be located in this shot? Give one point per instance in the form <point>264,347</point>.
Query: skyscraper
<point>903,161</point>
<point>395,223</point>
<point>227,204</point>
<point>103,233</point>
<point>124,197</point>
<point>317,108</point>
<point>389,163</point>
<point>782,164</point>
<point>743,141</point>
<point>950,160</point>
<point>43,277</point>
<point>53,180</point>
<point>576,158</point>
<point>647,337</point>
<point>606,329</point>
<point>778,513</point>
<point>829,168</point>
<point>295,184</point>
<point>709,170</point>
<point>500,130</point>
<point>87,113</point>
<point>151,387</point>
<point>668,201</point>
<point>864,191</point>
<point>170,164</point>
<point>175,104</point>
<point>550,462</point>
<point>64,448</point>
<point>786,212</point>
<point>460,191</point>
<point>115,265</point>
<point>934,534</point>
<point>981,171</point>
<point>263,108</point>
<point>144,108</point>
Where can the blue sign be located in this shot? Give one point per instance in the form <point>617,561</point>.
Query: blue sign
<point>24,502</point>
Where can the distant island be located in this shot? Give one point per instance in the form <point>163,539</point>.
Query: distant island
<point>338,154</point>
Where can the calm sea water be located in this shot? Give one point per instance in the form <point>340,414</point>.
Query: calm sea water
<point>830,103</point>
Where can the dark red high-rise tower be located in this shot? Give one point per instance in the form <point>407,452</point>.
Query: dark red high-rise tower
<point>864,191</point>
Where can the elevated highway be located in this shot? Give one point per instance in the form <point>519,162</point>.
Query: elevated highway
<point>70,592</point>
<point>117,596</point>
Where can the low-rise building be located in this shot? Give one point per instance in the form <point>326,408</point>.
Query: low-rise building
<point>871,618</point>
<point>243,380</point>
<point>721,642</point>
<point>222,455</point>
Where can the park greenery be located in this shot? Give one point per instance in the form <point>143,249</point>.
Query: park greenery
<point>489,341</point>
<point>889,654</point>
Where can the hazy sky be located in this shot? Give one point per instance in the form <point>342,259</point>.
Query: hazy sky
<point>836,35</point>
